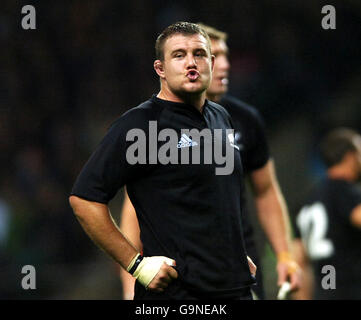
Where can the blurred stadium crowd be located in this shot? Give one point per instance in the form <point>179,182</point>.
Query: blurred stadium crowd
<point>63,84</point>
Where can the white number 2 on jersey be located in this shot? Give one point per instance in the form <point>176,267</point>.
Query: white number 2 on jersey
<point>313,223</point>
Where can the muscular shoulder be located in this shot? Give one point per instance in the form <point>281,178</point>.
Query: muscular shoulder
<point>137,117</point>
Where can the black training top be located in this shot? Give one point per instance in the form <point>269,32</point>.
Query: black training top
<point>185,211</point>
<point>250,137</point>
<point>330,239</point>
<point>249,132</point>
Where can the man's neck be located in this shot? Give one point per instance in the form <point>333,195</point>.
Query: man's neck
<point>196,100</point>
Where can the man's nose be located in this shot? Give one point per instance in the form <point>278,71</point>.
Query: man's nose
<point>191,61</point>
<point>223,63</point>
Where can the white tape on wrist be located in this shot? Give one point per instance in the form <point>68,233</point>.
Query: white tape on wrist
<point>149,267</point>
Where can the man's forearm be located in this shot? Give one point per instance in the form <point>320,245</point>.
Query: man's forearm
<point>273,216</point>
<point>152,272</point>
<point>97,222</point>
<point>274,219</point>
<point>306,289</point>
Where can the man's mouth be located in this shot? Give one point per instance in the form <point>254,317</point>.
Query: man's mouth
<point>193,75</point>
<point>224,81</point>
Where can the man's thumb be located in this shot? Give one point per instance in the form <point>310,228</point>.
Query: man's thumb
<point>170,262</point>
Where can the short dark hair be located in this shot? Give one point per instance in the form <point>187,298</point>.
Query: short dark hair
<point>184,28</point>
<point>336,144</point>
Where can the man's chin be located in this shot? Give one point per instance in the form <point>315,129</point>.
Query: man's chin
<point>192,90</point>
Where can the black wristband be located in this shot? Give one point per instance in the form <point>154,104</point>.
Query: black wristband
<point>136,264</point>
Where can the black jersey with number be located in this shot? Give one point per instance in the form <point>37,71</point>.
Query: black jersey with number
<point>250,137</point>
<point>185,211</point>
<point>330,239</point>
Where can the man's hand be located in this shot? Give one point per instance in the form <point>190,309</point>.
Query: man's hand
<point>161,280</point>
<point>288,270</point>
<point>154,273</point>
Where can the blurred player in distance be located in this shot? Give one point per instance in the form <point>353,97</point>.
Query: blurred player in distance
<point>259,167</point>
<point>328,226</point>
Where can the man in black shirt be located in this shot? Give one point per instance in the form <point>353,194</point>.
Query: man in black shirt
<point>189,213</point>
<point>328,227</point>
<point>257,165</point>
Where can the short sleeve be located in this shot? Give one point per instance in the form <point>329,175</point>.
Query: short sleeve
<point>258,153</point>
<point>107,170</point>
<point>349,200</point>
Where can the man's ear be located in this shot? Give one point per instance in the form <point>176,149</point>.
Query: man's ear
<point>159,69</point>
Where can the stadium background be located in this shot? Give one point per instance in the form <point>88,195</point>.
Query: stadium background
<point>87,62</point>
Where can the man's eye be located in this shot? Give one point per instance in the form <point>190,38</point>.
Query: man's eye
<point>200,54</point>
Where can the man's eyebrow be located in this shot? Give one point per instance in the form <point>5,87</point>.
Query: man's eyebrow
<point>217,52</point>
<point>200,49</point>
<point>184,51</point>
<point>178,50</point>
<point>225,50</point>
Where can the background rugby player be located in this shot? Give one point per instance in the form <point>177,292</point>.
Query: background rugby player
<point>328,227</point>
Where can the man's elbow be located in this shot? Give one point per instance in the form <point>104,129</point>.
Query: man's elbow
<point>83,209</point>
<point>75,203</point>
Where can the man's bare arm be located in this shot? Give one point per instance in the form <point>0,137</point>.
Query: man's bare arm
<point>274,219</point>
<point>305,291</point>
<point>97,222</point>
<point>129,226</point>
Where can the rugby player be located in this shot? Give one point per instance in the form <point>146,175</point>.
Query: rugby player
<point>257,164</point>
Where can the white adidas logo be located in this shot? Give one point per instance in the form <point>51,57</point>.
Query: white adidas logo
<point>185,142</point>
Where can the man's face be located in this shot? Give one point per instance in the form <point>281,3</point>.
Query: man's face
<point>219,84</point>
<point>187,65</point>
